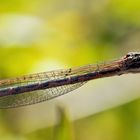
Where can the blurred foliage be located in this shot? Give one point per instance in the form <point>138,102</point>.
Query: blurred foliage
<point>120,123</point>
<point>39,35</point>
<point>62,131</point>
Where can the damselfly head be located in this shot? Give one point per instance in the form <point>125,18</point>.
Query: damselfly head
<point>133,55</point>
<point>132,62</point>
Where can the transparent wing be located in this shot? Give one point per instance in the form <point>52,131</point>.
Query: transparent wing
<point>36,96</point>
<point>33,97</point>
<point>44,76</point>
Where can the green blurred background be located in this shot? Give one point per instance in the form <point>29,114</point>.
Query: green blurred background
<point>42,35</point>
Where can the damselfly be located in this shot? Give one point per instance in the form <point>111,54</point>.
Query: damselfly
<point>44,86</point>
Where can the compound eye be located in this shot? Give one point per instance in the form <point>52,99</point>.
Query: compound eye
<point>137,54</point>
<point>128,55</point>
